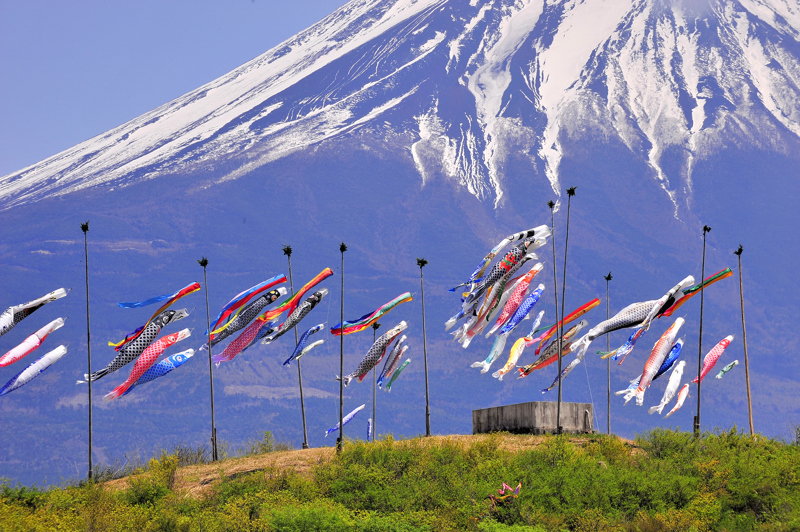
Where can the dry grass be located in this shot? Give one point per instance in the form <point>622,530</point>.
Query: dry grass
<point>196,480</point>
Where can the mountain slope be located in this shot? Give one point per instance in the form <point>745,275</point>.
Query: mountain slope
<point>465,86</point>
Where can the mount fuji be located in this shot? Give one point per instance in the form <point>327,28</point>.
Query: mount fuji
<point>426,128</point>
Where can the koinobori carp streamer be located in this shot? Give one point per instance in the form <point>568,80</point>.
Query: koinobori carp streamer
<point>245,315</point>
<point>375,353</point>
<point>170,299</point>
<point>301,343</point>
<point>32,371</point>
<point>132,349</point>
<point>162,368</point>
<point>262,326</point>
<point>31,343</point>
<point>15,314</point>
<point>346,419</point>
<point>295,317</point>
<point>240,301</point>
<point>146,360</point>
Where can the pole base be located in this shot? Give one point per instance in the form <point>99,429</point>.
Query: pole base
<point>696,426</point>
<point>560,430</point>
<point>305,445</point>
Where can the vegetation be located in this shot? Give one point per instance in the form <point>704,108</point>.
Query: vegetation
<point>664,481</point>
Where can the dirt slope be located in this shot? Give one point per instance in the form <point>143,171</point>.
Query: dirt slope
<point>196,480</point>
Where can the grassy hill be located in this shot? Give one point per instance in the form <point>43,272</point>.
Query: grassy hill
<point>662,481</point>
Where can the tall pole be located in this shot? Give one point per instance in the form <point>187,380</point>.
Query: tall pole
<point>421,263</point>
<point>608,360</point>
<point>738,253</point>
<point>375,327</point>
<point>85,229</point>
<point>340,440</point>
<point>706,229</point>
<point>204,262</point>
<point>552,204</point>
<point>570,193</point>
<point>287,250</point>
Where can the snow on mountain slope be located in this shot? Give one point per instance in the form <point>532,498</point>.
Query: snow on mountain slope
<point>462,86</point>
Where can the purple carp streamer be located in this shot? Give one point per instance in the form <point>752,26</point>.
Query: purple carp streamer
<point>393,359</point>
<point>299,313</point>
<point>396,374</point>
<point>131,350</point>
<point>369,429</point>
<point>31,343</point>
<point>301,344</point>
<point>15,314</point>
<point>375,353</point>
<point>245,315</point>
<point>346,419</point>
<point>32,371</point>
<point>162,368</point>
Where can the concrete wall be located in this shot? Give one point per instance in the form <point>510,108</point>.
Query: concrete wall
<point>534,418</point>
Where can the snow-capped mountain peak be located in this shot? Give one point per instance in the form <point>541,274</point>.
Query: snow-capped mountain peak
<point>461,87</point>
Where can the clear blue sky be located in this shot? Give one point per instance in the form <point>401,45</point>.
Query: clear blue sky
<point>72,70</point>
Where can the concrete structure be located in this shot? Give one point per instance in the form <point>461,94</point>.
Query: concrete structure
<point>538,417</point>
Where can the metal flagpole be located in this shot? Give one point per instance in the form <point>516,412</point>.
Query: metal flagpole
<point>375,327</point>
<point>85,229</point>
<point>340,440</point>
<point>204,262</point>
<point>552,204</point>
<point>706,229</point>
<point>287,250</point>
<point>570,193</point>
<point>421,263</point>
<point>738,253</point>
<point>608,360</point>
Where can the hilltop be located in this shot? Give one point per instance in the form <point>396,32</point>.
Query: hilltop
<point>663,481</point>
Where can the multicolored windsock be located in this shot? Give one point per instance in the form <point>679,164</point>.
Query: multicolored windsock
<point>31,343</point>
<point>235,305</point>
<point>262,326</point>
<point>15,314</point>
<point>169,298</point>
<point>245,316</point>
<point>689,292</point>
<point>32,371</point>
<point>162,368</point>
<point>367,320</point>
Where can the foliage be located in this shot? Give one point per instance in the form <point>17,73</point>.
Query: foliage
<point>663,481</point>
